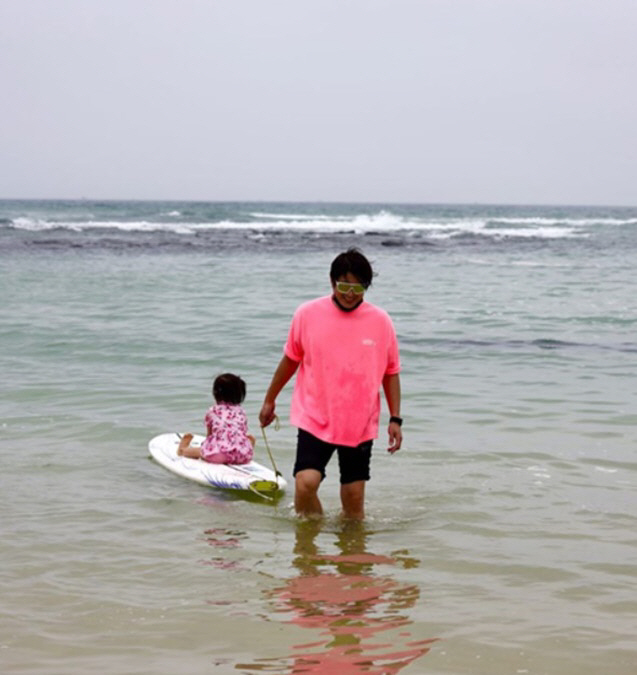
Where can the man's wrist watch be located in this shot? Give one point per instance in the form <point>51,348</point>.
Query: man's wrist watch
<point>396,420</point>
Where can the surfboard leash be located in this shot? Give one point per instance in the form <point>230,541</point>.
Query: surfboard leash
<point>277,426</point>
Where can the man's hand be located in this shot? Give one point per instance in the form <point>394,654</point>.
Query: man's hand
<point>267,413</point>
<point>395,437</point>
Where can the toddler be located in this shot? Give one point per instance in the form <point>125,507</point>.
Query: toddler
<point>227,439</point>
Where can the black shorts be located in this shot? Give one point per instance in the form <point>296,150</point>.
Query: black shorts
<point>313,453</point>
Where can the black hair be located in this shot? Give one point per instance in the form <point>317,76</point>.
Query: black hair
<point>353,262</point>
<point>229,388</point>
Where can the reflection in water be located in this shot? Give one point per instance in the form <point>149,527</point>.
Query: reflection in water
<point>348,605</point>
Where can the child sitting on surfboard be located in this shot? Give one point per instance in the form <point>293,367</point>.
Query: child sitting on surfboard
<point>227,440</point>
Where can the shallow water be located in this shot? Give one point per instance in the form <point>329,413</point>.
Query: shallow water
<point>500,540</point>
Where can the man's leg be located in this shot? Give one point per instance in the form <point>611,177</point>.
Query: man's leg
<point>354,466</point>
<point>306,485</point>
<point>353,500</point>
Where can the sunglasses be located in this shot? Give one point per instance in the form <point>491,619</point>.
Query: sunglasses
<point>344,287</point>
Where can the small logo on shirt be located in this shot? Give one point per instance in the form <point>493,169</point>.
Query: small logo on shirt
<point>368,342</point>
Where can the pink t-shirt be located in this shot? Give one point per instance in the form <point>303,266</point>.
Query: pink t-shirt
<point>343,358</point>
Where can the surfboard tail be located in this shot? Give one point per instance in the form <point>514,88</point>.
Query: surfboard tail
<point>265,488</point>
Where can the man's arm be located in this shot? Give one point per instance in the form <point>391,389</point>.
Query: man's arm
<point>286,368</point>
<point>391,387</point>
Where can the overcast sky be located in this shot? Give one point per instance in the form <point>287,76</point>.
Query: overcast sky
<point>496,101</point>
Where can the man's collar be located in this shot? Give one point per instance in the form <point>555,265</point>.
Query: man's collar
<point>346,309</point>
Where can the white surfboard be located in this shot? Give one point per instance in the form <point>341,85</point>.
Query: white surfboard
<point>251,476</point>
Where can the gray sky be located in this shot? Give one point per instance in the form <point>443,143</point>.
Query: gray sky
<point>513,101</point>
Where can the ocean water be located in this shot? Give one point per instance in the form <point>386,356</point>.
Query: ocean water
<point>499,540</point>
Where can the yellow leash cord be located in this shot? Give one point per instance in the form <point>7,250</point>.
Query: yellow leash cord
<point>277,426</point>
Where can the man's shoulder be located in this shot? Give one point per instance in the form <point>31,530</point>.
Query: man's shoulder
<point>314,305</point>
<point>376,311</point>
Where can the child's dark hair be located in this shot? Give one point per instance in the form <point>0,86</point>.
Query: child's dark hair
<point>229,388</point>
<point>354,262</point>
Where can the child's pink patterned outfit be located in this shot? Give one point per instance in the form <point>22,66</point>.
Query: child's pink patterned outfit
<point>227,441</point>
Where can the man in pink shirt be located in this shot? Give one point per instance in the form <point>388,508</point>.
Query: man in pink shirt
<point>344,350</point>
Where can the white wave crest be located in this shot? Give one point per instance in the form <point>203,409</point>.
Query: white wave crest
<point>440,228</point>
<point>565,222</point>
<point>39,225</point>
